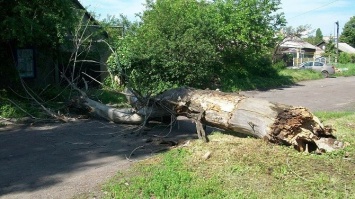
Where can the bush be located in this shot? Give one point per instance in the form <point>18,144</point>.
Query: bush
<point>344,58</point>
<point>278,66</point>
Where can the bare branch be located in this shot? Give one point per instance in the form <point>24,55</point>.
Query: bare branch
<point>92,78</point>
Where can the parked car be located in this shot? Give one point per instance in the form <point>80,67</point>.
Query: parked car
<point>325,69</point>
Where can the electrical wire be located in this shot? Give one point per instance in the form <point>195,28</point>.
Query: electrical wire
<point>313,9</point>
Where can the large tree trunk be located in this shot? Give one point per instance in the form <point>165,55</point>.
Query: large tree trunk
<point>273,122</point>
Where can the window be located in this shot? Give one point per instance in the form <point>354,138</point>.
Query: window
<point>25,62</point>
<point>308,64</point>
<point>318,64</point>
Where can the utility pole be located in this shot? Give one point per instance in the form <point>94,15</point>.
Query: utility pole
<point>337,50</point>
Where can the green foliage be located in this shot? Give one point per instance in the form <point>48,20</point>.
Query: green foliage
<point>330,48</point>
<point>279,65</point>
<point>17,104</point>
<point>120,58</point>
<point>346,69</point>
<point>345,58</point>
<point>319,37</point>
<point>290,31</point>
<point>192,43</point>
<point>348,33</point>
<point>315,39</point>
<point>300,75</point>
<point>37,22</point>
<point>107,96</point>
<point>8,111</point>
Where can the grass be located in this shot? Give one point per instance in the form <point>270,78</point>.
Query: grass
<point>244,168</point>
<point>107,96</point>
<point>283,77</point>
<point>349,70</point>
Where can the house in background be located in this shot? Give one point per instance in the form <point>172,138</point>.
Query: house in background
<point>343,47</point>
<point>294,51</point>
<point>41,67</point>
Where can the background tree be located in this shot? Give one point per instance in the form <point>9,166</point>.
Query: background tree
<point>330,49</point>
<point>195,43</point>
<point>319,37</point>
<point>117,29</point>
<point>299,31</point>
<point>348,34</point>
<point>315,39</point>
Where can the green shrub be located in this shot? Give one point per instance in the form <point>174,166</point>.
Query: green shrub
<point>344,58</point>
<point>8,111</point>
<point>280,65</point>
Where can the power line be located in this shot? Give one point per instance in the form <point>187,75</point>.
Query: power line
<point>314,9</point>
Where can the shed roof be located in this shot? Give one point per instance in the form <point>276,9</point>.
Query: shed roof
<point>344,47</point>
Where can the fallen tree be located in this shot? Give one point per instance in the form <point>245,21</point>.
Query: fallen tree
<point>276,123</point>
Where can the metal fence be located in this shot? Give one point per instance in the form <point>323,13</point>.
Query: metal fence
<point>326,60</point>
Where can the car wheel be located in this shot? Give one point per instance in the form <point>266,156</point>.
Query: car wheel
<point>325,74</point>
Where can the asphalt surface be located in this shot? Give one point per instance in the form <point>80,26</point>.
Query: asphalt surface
<point>63,160</point>
<point>329,94</point>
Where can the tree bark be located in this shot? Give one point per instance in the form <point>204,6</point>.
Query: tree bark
<point>276,123</point>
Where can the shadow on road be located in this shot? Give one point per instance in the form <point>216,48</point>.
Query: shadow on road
<point>33,158</point>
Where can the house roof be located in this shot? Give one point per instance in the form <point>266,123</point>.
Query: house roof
<point>88,15</point>
<point>344,47</point>
<point>297,43</point>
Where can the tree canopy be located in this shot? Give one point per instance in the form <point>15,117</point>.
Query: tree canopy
<point>191,43</point>
<point>319,36</point>
<point>348,34</point>
<point>36,22</point>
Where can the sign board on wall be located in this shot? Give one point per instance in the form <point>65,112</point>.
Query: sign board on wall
<point>25,62</point>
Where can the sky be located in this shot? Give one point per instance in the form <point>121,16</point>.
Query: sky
<point>317,13</point>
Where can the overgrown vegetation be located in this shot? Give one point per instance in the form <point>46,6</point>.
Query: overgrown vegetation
<point>199,43</point>
<point>244,168</point>
<point>348,34</point>
<point>19,104</point>
<point>345,58</point>
<point>345,70</point>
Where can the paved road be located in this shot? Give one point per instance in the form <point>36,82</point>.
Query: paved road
<point>330,94</point>
<point>62,160</point>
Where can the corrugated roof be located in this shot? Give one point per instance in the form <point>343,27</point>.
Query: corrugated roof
<point>297,43</point>
<point>346,48</point>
